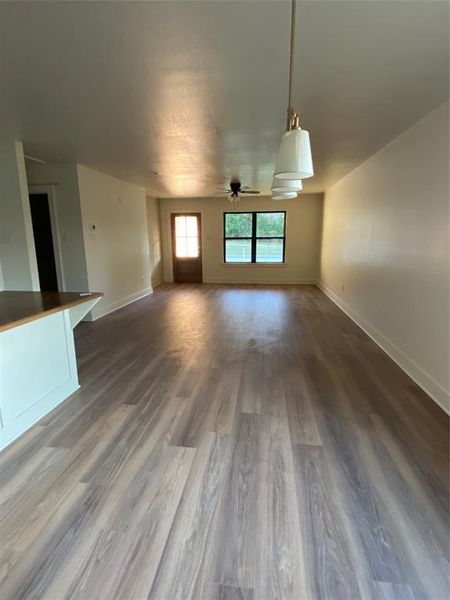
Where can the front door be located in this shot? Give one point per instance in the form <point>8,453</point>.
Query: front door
<point>187,247</point>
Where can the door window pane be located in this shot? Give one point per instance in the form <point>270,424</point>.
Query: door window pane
<point>192,247</point>
<point>270,224</point>
<point>238,225</point>
<point>180,226</point>
<point>238,251</point>
<point>186,237</point>
<point>191,226</point>
<point>181,247</point>
<point>269,251</point>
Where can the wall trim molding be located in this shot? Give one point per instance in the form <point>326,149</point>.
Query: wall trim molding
<point>428,384</point>
<point>113,306</point>
<point>246,281</point>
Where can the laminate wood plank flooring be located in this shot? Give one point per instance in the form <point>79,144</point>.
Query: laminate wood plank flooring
<point>229,442</point>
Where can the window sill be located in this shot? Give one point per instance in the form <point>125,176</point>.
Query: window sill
<point>246,265</point>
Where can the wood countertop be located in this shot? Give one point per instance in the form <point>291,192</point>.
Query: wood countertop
<point>17,308</point>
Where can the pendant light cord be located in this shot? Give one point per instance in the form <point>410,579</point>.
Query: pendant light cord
<point>291,113</point>
<point>292,50</point>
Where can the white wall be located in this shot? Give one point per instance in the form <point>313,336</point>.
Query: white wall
<point>117,251</point>
<point>385,253</point>
<point>17,254</point>
<point>303,231</point>
<point>61,183</point>
<point>154,240</point>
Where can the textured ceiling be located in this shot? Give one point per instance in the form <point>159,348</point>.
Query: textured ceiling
<point>196,91</point>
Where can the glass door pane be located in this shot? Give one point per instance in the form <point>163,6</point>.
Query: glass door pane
<point>180,247</point>
<point>186,237</point>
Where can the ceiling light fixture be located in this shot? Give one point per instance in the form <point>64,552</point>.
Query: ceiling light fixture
<point>284,195</point>
<point>233,197</point>
<point>294,156</point>
<point>286,185</point>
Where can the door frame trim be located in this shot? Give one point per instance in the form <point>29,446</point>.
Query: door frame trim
<point>172,234</point>
<point>49,190</point>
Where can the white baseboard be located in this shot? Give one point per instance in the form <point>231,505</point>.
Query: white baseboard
<point>434,389</point>
<point>157,283</point>
<point>109,308</point>
<point>237,281</point>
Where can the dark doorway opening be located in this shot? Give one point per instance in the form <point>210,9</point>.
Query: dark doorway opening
<point>43,242</point>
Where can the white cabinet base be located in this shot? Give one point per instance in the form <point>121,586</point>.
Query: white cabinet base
<point>38,370</point>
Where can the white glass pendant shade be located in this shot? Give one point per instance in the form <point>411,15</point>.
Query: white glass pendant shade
<point>286,185</point>
<point>294,156</point>
<point>284,196</point>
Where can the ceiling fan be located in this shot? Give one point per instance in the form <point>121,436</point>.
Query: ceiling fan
<point>236,189</point>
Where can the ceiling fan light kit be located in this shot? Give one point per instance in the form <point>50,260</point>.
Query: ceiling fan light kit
<point>233,198</point>
<point>294,161</point>
<point>286,185</point>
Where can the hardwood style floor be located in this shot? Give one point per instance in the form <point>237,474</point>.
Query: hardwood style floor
<point>229,443</point>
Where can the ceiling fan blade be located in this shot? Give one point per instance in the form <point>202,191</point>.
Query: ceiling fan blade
<point>250,191</point>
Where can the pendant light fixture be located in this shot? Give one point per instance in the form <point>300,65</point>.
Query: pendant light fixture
<point>294,156</point>
<point>286,185</point>
<point>284,195</point>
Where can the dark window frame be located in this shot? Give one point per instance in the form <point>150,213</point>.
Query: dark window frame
<point>253,239</point>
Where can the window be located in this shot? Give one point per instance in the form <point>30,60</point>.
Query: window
<point>254,237</point>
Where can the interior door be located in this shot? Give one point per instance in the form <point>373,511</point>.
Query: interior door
<point>186,247</point>
<point>43,242</point>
